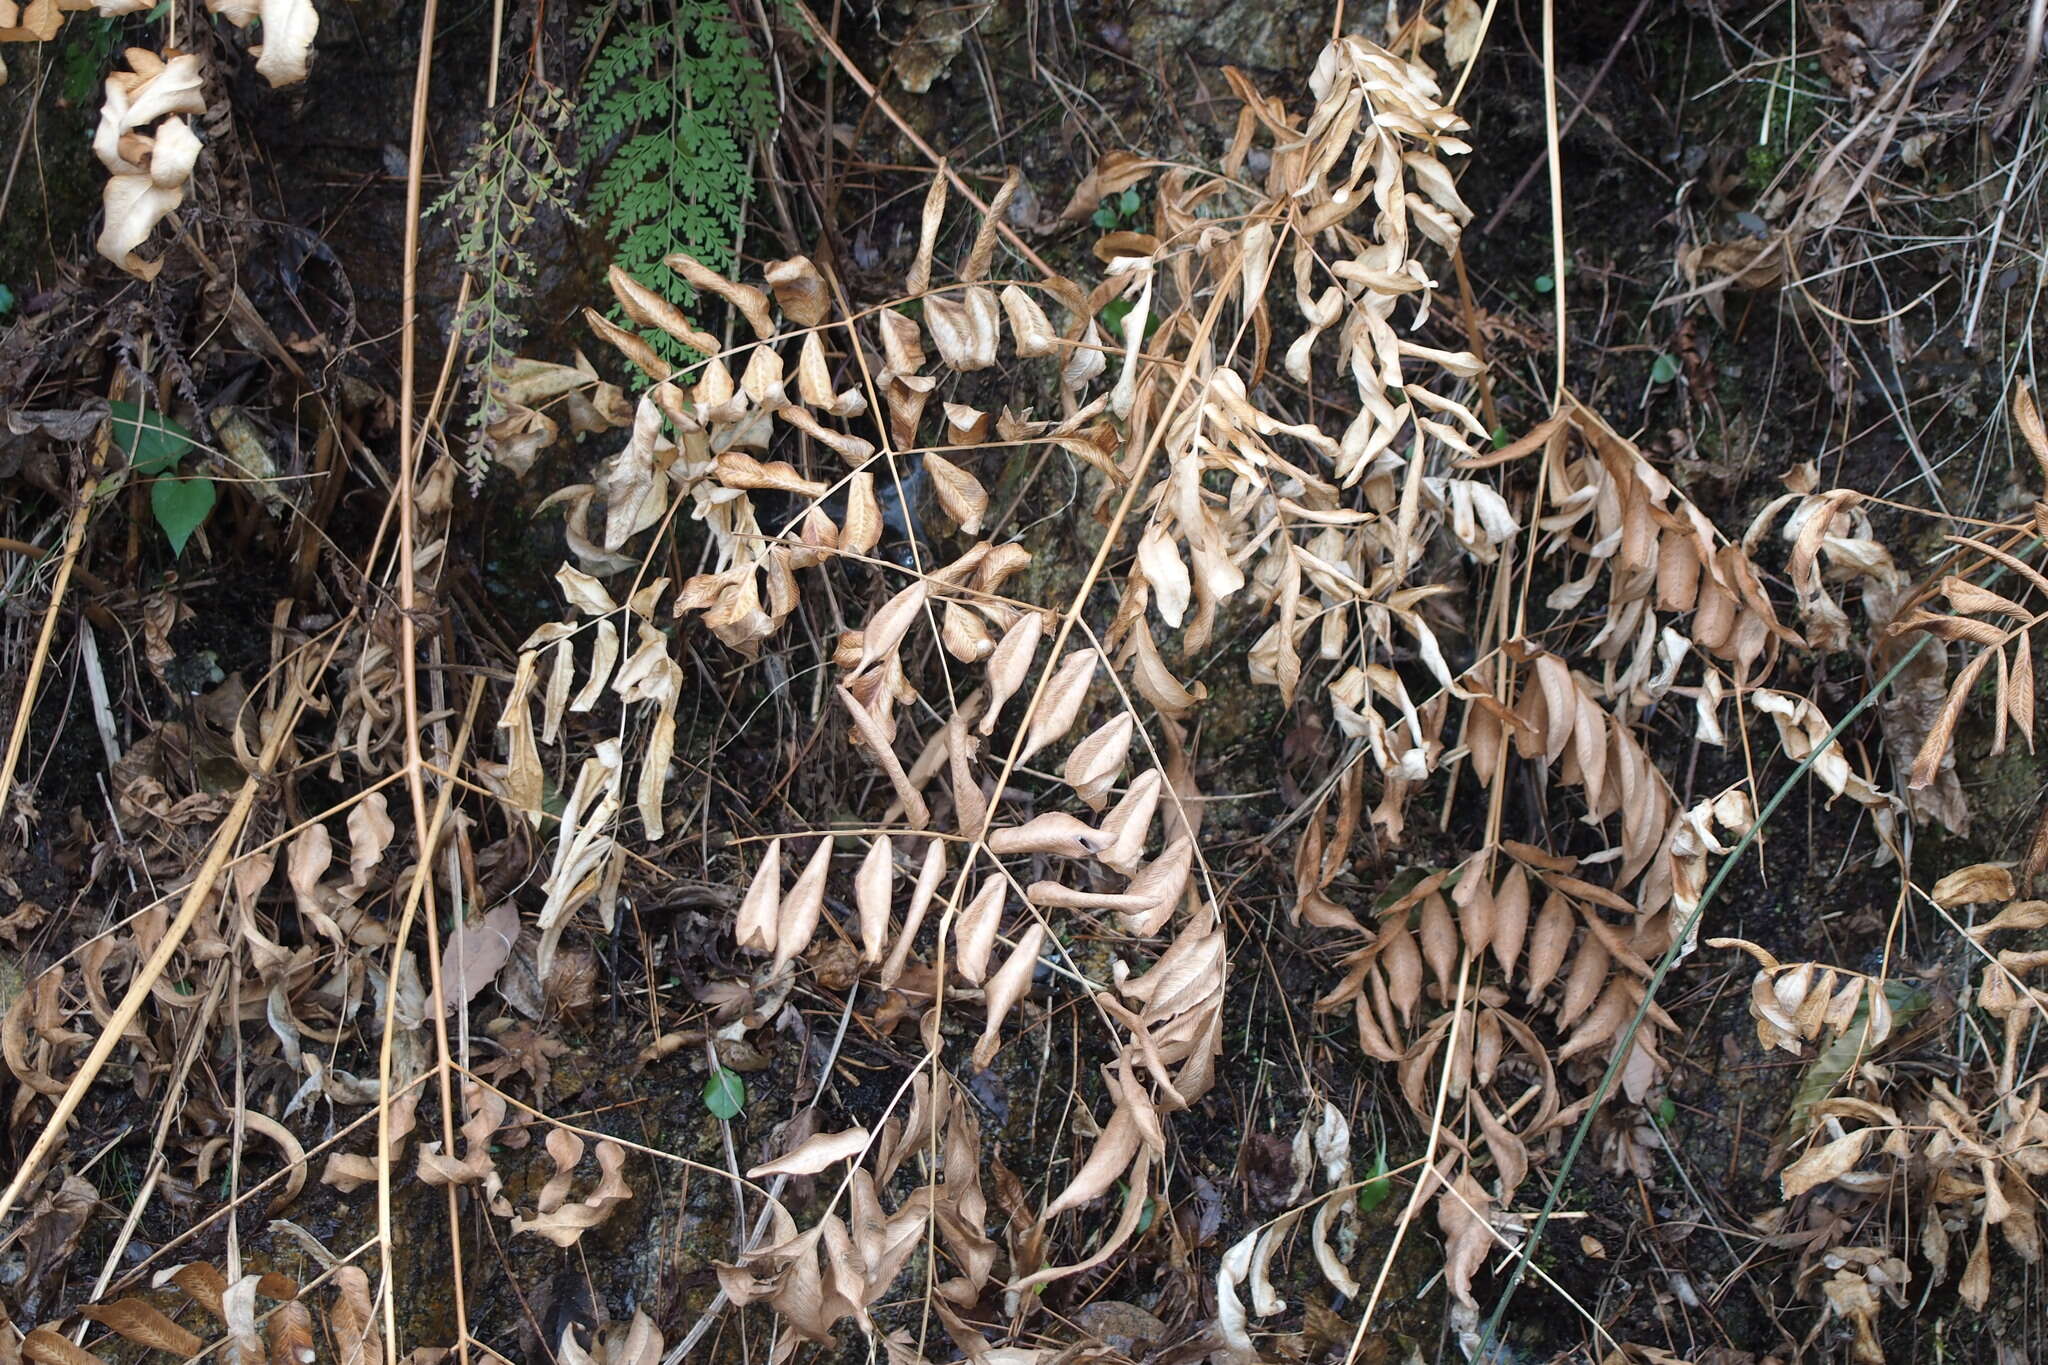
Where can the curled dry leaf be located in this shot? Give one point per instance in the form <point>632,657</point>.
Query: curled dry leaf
<point>797,918</point>
<point>1065,695</point>
<point>289,27</point>
<point>751,302</point>
<point>148,170</point>
<point>1096,760</point>
<point>565,1224</point>
<point>760,909</point>
<point>1976,884</point>
<point>1009,985</point>
<point>799,290</point>
<point>1009,664</point>
<point>1054,832</point>
<point>960,494</point>
<point>974,932</point>
<point>815,1153</point>
<point>873,889</point>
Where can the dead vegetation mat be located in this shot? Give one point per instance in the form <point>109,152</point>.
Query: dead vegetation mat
<point>1355,690</point>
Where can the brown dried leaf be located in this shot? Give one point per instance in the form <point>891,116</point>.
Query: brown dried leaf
<point>915,811</point>
<point>1549,943</point>
<point>1098,758</point>
<point>960,494</point>
<point>353,1321</point>
<point>886,628</point>
<point>1825,1162</point>
<point>566,1225</point>
<point>477,952</point>
<point>142,1323</point>
<point>1927,764</point>
<point>974,932</point>
<point>1054,832</point>
<point>797,919</point>
<point>873,890</point>
<point>751,302</point>
<point>1009,664</point>
<point>1010,984</point>
<point>920,277</point>
<point>54,1348</point>
<point>648,309</point>
<point>1030,331</point>
<point>1978,883</point>
<point>799,292</point>
<point>290,1330</point>
<point>760,909</point>
<point>815,1153</point>
<point>1116,1146</point>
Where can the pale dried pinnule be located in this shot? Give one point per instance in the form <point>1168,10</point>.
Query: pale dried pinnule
<point>960,494</point>
<point>974,932</point>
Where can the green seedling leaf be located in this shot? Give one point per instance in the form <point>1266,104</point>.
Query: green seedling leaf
<point>6,300</point>
<point>1104,218</point>
<point>152,442</point>
<point>1667,1110</point>
<point>1116,310</point>
<point>1128,204</point>
<point>1544,284</point>
<point>725,1093</point>
<point>1501,438</point>
<point>181,506</point>
<point>1665,370</point>
<point>1378,1188</point>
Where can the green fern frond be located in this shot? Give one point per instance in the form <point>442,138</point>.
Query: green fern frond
<point>514,173</point>
<point>671,104</point>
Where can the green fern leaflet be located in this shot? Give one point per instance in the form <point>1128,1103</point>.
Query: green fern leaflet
<point>671,104</point>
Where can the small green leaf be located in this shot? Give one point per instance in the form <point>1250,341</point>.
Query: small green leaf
<point>1113,314</point>
<point>1665,370</point>
<point>181,506</point>
<point>6,300</point>
<point>1129,204</point>
<point>1667,1110</point>
<point>1378,1188</point>
<point>1104,218</point>
<point>725,1093</point>
<point>152,442</point>
<point>1544,284</point>
<point>1500,438</point>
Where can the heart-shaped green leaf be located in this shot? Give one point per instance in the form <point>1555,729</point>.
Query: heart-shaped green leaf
<point>181,506</point>
<point>1665,370</point>
<point>152,442</point>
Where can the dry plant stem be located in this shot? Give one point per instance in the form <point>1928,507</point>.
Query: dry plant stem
<point>422,888</point>
<point>1585,96</point>
<point>151,971</point>
<point>408,660</point>
<point>74,540</point>
<point>1485,27</point>
<point>1552,137</point>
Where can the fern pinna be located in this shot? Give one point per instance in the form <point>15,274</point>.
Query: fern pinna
<point>670,103</point>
